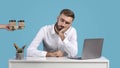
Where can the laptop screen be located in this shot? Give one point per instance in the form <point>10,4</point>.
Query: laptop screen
<point>92,48</point>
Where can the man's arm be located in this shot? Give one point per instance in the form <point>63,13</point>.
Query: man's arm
<point>32,50</point>
<point>4,26</point>
<point>70,45</point>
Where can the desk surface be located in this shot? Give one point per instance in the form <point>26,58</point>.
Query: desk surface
<point>57,59</point>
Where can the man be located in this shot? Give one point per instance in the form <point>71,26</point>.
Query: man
<point>59,39</point>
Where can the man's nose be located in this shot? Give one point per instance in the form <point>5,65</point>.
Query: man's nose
<point>63,23</point>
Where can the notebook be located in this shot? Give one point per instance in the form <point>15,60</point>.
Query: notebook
<point>92,48</point>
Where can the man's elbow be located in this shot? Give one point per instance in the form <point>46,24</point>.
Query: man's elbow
<point>29,52</point>
<point>73,54</point>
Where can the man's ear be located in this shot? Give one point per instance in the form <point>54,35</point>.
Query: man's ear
<point>58,18</point>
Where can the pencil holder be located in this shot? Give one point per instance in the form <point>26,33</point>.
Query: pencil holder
<point>19,56</point>
<point>19,52</point>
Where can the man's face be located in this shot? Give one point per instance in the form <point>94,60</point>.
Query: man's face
<point>63,22</point>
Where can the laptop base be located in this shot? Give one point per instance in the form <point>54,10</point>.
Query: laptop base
<point>77,58</point>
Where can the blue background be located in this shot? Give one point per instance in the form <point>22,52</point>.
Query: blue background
<point>94,18</point>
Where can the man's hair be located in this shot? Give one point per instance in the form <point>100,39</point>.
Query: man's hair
<point>68,12</point>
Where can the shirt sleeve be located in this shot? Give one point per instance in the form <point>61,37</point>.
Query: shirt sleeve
<point>70,45</point>
<point>32,50</point>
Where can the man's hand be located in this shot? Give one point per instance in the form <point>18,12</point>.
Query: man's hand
<point>61,32</point>
<point>58,53</point>
<point>5,26</point>
<point>55,54</point>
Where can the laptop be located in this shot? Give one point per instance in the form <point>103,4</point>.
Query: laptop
<point>92,49</point>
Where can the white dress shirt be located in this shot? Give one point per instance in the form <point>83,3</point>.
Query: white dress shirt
<point>52,42</point>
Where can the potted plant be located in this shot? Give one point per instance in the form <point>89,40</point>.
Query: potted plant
<point>19,52</point>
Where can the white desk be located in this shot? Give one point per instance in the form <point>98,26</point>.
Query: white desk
<point>61,62</point>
